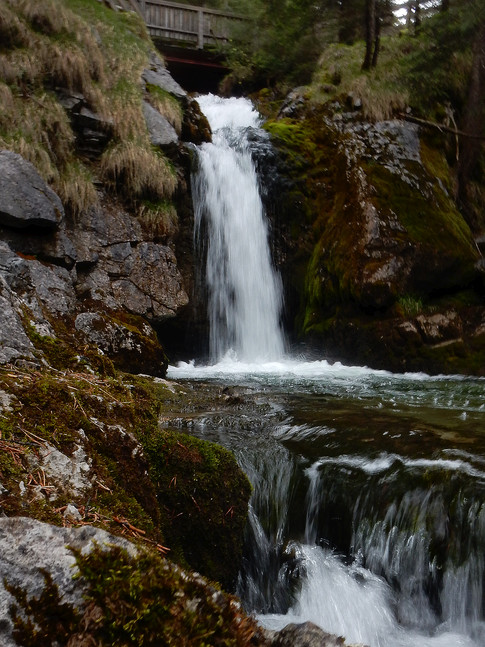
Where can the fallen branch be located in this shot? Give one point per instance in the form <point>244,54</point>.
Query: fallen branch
<point>441,127</point>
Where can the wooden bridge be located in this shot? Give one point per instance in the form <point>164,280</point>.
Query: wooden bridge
<point>182,25</point>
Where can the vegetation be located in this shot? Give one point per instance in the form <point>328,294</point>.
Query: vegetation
<point>131,601</point>
<point>87,50</point>
<point>162,488</point>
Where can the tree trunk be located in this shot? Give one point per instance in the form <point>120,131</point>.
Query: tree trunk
<point>445,5</point>
<point>473,121</point>
<point>377,41</point>
<point>370,32</point>
<point>417,15</point>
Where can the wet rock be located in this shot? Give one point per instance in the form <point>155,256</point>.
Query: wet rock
<point>307,634</point>
<point>293,103</point>
<point>195,126</point>
<point>440,327</point>
<point>132,346</point>
<point>27,201</point>
<point>122,270</point>
<point>161,132</point>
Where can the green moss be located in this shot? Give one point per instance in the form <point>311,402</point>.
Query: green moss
<point>132,601</point>
<point>410,306</point>
<point>430,218</point>
<point>184,493</point>
<point>204,494</point>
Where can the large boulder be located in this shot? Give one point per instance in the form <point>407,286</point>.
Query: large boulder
<point>369,237</point>
<point>26,200</point>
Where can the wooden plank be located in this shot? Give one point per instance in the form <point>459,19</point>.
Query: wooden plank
<point>191,24</point>
<point>189,7</point>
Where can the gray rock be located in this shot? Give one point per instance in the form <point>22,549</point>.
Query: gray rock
<point>93,130</point>
<point>161,132</point>
<point>132,348</point>
<point>27,545</point>
<point>159,76</point>
<point>440,327</point>
<point>14,343</point>
<point>26,200</point>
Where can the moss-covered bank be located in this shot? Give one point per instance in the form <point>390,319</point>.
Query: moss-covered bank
<point>77,438</point>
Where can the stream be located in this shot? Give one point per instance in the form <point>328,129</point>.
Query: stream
<point>368,509</point>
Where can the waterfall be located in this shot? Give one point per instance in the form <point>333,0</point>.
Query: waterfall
<point>244,291</point>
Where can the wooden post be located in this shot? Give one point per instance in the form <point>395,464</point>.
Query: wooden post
<point>200,31</point>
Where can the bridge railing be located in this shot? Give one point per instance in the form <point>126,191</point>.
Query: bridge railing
<point>187,25</point>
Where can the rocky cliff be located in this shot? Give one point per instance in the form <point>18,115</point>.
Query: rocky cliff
<point>94,187</point>
<point>380,266</point>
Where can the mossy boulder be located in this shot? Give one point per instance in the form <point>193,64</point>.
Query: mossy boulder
<point>204,497</point>
<point>367,218</point>
<point>90,450</point>
<point>84,586</point>
<point>127,340</point>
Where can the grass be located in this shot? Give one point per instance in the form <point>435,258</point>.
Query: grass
<point>136,171</point>
<point>83,47</point>
<point>158,219</point>
<point>339,75</point>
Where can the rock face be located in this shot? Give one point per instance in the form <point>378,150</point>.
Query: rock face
<point>103,274</point>
<point>162,133</point>
<point>380,267</point>
<point>26,201</point>
<point>307,634</point>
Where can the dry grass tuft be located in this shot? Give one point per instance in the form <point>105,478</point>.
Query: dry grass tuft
<point>8,72</point>
<point>40,131</point>
<point>7,102</point>
<point>83,47</point>
<point>137,172</point>
<point>75,189</point>
<point>23,69</point>
<point>48,17</point>
<point>159,221</point>
<point>377,106</point>
<point>126,113</point>
<point>55,131</point>
<point>13,33</point>
<point>340,75</point>
<point>167,105</point>
<point>34,154</point>
<point>71,68</point>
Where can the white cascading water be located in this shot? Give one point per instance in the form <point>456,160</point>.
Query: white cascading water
<point>245,296</point>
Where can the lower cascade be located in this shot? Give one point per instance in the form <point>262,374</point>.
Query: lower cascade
<point>368,509</point>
